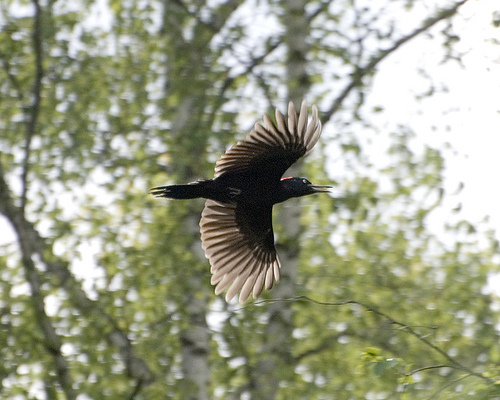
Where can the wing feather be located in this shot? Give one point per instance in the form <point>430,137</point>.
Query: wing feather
<point>242,255</point>
<point>238,238</point>
<point>277,144</point>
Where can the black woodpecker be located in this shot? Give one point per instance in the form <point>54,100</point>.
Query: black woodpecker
<point>236,223</point>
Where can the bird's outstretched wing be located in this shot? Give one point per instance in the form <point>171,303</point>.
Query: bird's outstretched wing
<point>239,242</point>
<point>238,237</point>
<point>270,149</point>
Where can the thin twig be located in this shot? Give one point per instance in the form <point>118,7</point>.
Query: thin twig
<point>447,385</point>
<point>361,72</point>
<point>12,77</point>
<point>433,367</point>
<point>455,364</point>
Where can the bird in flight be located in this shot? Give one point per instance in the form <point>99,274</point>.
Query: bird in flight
<point>236,223</point>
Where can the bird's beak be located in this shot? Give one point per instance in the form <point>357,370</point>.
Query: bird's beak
<point>320,188</point>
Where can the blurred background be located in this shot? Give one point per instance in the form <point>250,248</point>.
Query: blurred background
<point>389,285</point>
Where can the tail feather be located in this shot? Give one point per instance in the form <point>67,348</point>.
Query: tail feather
<point>192,190</point>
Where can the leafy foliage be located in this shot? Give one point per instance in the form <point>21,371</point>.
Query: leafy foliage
<point>105,293</point>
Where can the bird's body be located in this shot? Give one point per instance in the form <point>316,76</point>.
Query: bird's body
<point>239,188</point>
<point>236,224</point>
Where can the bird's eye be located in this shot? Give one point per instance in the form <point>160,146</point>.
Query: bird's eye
<point>305,181</point>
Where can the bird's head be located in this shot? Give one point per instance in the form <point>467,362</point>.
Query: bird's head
<point>297,187</point>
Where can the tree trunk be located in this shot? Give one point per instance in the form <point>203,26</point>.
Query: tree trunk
<point>195,339</point>
<point>276,363</point>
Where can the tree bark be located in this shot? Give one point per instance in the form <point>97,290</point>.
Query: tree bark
<point>195,339</point>
<point>27,239</point>
<point>276,363</point>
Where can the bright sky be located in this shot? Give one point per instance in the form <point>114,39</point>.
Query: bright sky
<point>465,111</point>
<point>466,115</point>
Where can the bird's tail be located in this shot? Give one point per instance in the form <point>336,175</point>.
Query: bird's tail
<point>190,191</point>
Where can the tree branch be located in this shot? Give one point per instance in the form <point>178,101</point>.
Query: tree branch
<point>12,77</point>
<point>33,246</point>
<point>360,72</point>
<point>218,20</point>
<point>322,7</point>
<point>229,81</point>
<point>256,61</point>
<point>326,344</point>
<point>25,236</point>
<point>442,388</point>
<point>432,367</point>
<point>454,363</point>
<point>34,110</point>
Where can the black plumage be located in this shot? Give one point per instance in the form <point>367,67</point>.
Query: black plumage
<point>236,223</point>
